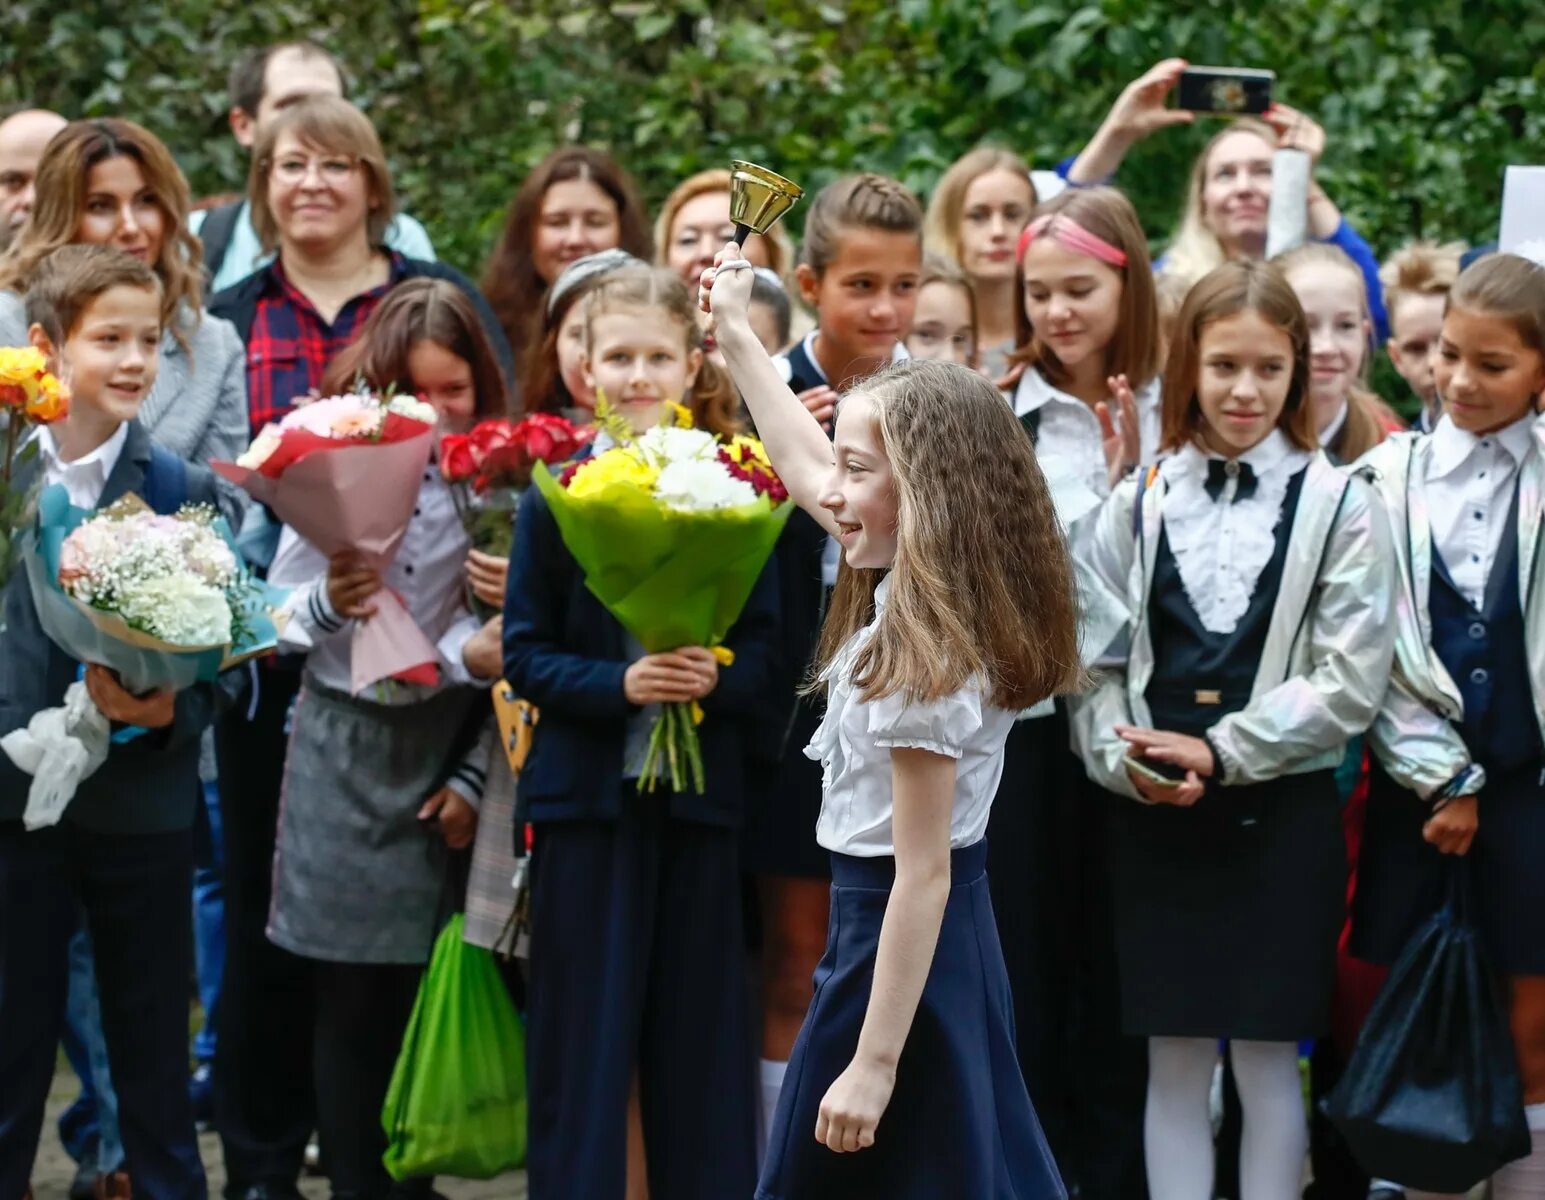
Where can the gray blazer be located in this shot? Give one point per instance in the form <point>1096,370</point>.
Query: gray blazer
<point>198,407</point>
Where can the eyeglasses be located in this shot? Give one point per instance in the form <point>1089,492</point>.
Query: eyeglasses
<point>334,169</point>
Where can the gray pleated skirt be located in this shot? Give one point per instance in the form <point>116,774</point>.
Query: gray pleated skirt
<point>357,877</point>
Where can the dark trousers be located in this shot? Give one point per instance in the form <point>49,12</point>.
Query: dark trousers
<point>362,1010</point>
<point>134,889</point>
<point>264,1102</point>
<point>637,965</point>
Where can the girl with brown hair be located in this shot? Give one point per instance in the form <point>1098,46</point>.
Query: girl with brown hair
<point>575,202</point>
<point>1259,583</point>
<point>924,665</point>
<point>975,215</point>
<point>1349,419</point>
<point>1459,743</point>
<point>379,785</point>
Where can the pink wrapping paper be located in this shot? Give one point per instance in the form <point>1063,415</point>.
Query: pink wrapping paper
<point>357,497</point>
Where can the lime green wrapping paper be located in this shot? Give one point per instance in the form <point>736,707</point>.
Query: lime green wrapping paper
<point>457,1101</point>
<point>672,578</point>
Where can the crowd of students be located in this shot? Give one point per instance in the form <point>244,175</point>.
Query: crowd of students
<point>1138,624</point>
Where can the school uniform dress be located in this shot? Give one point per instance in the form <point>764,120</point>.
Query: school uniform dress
<point>1466,710</point>
<point>1261,590</point>
<point>123,852</point>
<point>960,1121</point>
<point>359,882</point>
<point>637,942</point>
<point>1048,858</point>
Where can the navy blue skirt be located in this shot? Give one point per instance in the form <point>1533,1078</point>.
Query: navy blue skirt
<point>960,1122</point>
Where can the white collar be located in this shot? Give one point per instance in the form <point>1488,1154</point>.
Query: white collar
<point>1035,392</point>
<point>898,353</point>
<point>1451,445</point>
<point>106,455</point>
<point>1328,434</point>
<point>881,591</point>
<point>1266,455</point>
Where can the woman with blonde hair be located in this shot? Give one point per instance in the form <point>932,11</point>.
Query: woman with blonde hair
<point>694,223</point>
<point>1228,193</point>
<point>975,216</point>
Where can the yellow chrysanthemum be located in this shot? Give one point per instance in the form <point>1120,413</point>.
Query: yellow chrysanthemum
<point>615,468</point>
<point>678,415</point>
<point>740,443</point>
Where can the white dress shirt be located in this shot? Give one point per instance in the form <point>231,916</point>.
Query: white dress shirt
<point>1328,434</point>
<point>85,477</point>
<point>855,739</point>
<point>1469,488</point>
<point>1070,431</point>
<point>1222,545</point>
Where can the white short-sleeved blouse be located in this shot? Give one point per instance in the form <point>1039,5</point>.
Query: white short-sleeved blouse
<point>855,739</point>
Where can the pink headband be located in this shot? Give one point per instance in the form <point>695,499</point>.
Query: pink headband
<point>1072,235</point>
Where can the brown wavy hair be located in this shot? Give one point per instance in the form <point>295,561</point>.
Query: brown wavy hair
<point>327,125</point>
<point>713,400</point>
<point>1135,350</point>
<point>420,310</point>
<point>510,281</point>
<point>61,199</point>
<point>1369,419</point>
<point>981,585</point>
<point>1236,287</point>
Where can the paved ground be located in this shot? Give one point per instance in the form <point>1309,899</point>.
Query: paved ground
<point>54,1169</point>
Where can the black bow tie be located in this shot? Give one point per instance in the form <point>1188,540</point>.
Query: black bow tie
<point>1218,472</point>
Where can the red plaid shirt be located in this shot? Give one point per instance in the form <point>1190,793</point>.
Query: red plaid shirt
<point>291,345</point>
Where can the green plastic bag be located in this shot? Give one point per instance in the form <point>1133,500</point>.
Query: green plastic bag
<point>457,1101</point>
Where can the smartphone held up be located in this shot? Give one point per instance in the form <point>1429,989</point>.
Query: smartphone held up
<point>1225,91</point>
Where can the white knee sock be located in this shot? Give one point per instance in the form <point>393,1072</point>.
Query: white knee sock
<point>1276,1130</point>
<point>1525,1179</point>
<point>1177,1132</point>
<point>772,1084</point>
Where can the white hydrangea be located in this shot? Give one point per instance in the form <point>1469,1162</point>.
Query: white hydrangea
<point>412,406</point>
<point>698,485</point>
<point>667,444</point>
<point>177,608</point>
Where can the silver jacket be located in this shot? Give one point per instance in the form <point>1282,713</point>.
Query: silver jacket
<point>1414,735</point>
<point>1326,661</point>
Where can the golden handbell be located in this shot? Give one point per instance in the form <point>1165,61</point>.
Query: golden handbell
<point>758,197</point>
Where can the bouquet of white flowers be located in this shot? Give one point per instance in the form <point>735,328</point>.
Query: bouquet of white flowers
<point>163,601</point>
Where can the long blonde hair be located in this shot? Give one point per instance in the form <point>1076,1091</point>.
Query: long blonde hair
<point>941,227</point>
<point>981,585</point>
<point>1195,248</point>
<point>61,199</point>
<point>1368,417</point>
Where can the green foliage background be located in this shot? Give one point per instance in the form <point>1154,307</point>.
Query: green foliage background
<point>1425,101</point>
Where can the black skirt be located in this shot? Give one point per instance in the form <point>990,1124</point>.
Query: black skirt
<point>1401,879</point>
<point>1227,913</point>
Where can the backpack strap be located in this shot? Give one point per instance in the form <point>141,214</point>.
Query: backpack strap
<point>215,233</point>
<point>166,482</point>
<point>1144,481</point>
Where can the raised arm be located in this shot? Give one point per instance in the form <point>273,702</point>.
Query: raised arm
<point>800,451</point>
<point>1138,111</point>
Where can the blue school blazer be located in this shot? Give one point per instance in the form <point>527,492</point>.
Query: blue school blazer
<point>151,783</point>
<point>567,655</point>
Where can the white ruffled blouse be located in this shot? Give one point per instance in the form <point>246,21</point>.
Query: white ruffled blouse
<point>1221,546</point>
<point>855,739</point>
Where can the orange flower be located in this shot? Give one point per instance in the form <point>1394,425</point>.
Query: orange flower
<point>52,403</point>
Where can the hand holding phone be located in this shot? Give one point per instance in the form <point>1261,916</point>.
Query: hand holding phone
<point>1160,774</point>
<point>1225,91</point>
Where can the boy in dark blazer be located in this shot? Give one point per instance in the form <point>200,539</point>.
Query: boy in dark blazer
<point>123,851</point>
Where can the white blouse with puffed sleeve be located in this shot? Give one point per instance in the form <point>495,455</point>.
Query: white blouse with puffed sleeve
<point>856,737</point>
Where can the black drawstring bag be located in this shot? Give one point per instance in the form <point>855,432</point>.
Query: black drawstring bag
<point>1431,1097</point>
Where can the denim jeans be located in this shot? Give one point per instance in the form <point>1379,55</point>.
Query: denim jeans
<point>208,918</point>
